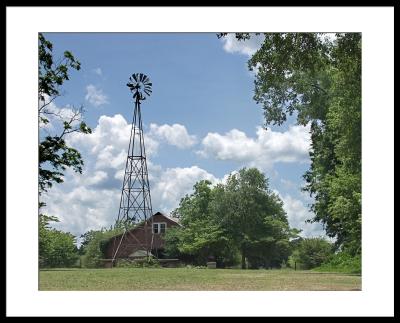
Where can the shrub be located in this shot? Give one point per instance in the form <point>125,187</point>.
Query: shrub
<point>95,247</point>
<point>294,262</point>
<point>312,252</point>
<point>342,262</point>
<point>138,263</point>
<point>56,248</point>
<point>93,255</point>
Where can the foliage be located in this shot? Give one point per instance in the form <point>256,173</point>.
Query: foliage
<point>342,262</point>
<point>53,75</point>
<point>293,261</point>
<point>56,248</point>
<point>95,243</point>
<point>319,80</point>
<point>151,262</point>
<point>92,252</point>
<point>312,252</point>
<point>254,218</point>
<point>54,154</point>
<point>240,217</point>
<point>198,242</point>
<point>201,237</point>
<point>85,240</point>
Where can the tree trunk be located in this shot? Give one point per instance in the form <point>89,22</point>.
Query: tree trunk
<point>243,260</point>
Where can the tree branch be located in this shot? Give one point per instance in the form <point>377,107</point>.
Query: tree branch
<point>46,104</point>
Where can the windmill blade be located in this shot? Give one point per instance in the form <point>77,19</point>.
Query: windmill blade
<point>140,85</point>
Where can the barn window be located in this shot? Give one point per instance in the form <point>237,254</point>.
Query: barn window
<point>155,227</point>
<point>159,227</point>
<point>162,227</point>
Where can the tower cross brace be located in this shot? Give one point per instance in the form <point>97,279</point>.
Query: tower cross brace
<point>135,208</point>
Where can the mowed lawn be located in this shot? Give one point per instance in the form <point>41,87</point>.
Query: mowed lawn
<point>180,279</point>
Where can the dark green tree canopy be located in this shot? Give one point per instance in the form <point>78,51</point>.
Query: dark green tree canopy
<point>318,79</point>
<point>242,217</point>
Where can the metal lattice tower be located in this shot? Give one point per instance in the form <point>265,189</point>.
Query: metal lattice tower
<point>135,204</point>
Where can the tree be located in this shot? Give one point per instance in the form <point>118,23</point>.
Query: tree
<point>254,218</point>
<point>94,245</point>
<point>86,238</point>
<point>312,252</point>
<point>242,216</point>
<point>54,154</point>
<point>56,248</point>
<point>319,80</point>
<point>201,237</point>
<point>93,253</point>
<point>195,206</point>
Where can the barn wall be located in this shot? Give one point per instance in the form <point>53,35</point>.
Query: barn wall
<point>135,239</point>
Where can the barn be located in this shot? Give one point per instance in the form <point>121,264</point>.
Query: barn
<point>135,242</point>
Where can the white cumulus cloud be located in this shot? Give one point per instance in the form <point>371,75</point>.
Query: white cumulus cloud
<point>97,178</point>
<point>297,212</point>
<point>267,148</point>
<point>91,200</point>
<point>95,96</point>
<point>174,183</point>
<point>82,208</point>
<point>109,141</point>
<point>175,135</point>
<point>246,47</point>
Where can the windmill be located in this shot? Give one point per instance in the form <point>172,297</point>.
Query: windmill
<point>135,207</point>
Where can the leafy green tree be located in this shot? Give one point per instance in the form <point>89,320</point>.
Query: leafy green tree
<point>54,154</point>
<point>86,238</point>
<point>195,206</point>
<point>318,79</point>
<point>254,218</point>
<point>95,245</point>
<point>201,237</point>
<point>201,240</point>
<point>93,253</point>
<point>312,252</point>
<point>172,239</point>
<point>242,216</point>
<point>56,248</point>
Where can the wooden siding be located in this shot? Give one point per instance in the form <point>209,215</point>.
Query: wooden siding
<point>135,239</point>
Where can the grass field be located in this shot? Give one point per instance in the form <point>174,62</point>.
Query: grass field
<point>180,279</point>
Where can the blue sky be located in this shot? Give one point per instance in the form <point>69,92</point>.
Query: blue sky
<point>200,123</point>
